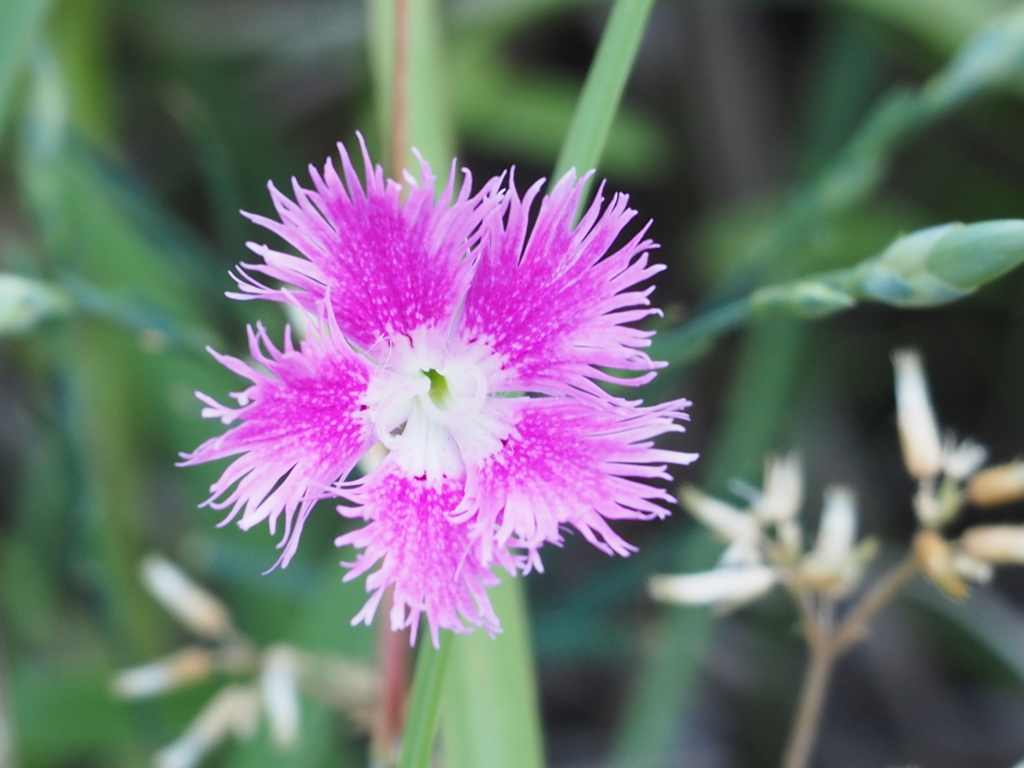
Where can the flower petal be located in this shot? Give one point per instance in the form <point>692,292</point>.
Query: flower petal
<point>554,302</point>
<point>301,429</point>
<point>571,461</point>
<point>389,266</point>
<point>431,562</point>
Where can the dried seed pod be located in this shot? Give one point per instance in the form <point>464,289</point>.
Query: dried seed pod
<point>937,560</point>
<point>997,485</point>
<point>997,544</point>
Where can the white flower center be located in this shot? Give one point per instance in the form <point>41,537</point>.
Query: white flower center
<point>430,406</point>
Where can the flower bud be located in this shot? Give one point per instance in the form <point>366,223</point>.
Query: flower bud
<point>935,557</point>
<point>733,585</point>
<point>188,665</point>
<point>972,255</point>
<point>998,544</point>
<point>192,605</point>
<point>919,432</point>
<point>997,485</point>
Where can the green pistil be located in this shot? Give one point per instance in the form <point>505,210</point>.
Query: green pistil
<point>439,393</point>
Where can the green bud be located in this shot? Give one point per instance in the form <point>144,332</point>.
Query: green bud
<point>24,302</point>
<point>805,298</point>
<point>900,275</point>
<point>975,254</point>
<point>992,56</point>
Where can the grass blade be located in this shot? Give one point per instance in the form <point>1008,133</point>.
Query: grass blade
<point>20,22</point>
<point>490,712</point>
<point>603,88</point>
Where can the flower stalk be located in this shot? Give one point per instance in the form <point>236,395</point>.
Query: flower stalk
<point>424,705</point>
<point>826,643</point>
<point>392,646</point>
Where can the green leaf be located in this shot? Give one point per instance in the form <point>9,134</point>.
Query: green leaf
<point>987,617</point>
<point>603,88</point>
<point>75,695</point>
<point>424,704</point>
<point>20,22</point>
<point>942,24</point>
<point>490,718</point>
<point>992,57</point>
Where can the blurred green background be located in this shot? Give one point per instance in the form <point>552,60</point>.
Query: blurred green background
<point>132,132</point>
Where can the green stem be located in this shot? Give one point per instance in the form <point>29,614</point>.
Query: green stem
<point>424,705</point>
<point>603,88</point>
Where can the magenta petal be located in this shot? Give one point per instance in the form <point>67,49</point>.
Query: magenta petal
<point>570,461</point>
<point>300,430</point>
<point>553,301</point>
<point>431,563</point>
<point>389,266</point>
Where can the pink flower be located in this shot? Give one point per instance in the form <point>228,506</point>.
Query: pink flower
<point>470,345</point>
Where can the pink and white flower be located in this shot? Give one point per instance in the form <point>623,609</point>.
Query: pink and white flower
<point>470,345</point>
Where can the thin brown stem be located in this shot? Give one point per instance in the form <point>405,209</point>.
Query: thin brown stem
<point>854,624</point>
<point>393,658</point>
<point>826,643</point>
<point>399,91</point>
<point>812,702</point>
<point>393,647</point>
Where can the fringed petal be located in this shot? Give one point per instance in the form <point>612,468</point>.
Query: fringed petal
<point>553,301</point>
<point>576,461</point>
<point>390,265</point>
<point>300,430</point>
<point>431,563</point>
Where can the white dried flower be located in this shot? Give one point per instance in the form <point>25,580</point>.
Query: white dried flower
<point>741,553</point>
<point>918,428</point>
<point>836,564</point>
<point>960,461</point>
<point>192,605</point>
<point>783,491</point>
<point>232,712</point>
<point>189,665</point>
<point>929,510</point>
<point>279,684</point>
<point>972,568</point>
<point>728,522</point>
<point>732,585</point>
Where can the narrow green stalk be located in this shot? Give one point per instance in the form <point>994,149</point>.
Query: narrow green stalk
<point>603,88</point>
<point>424,705</point>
